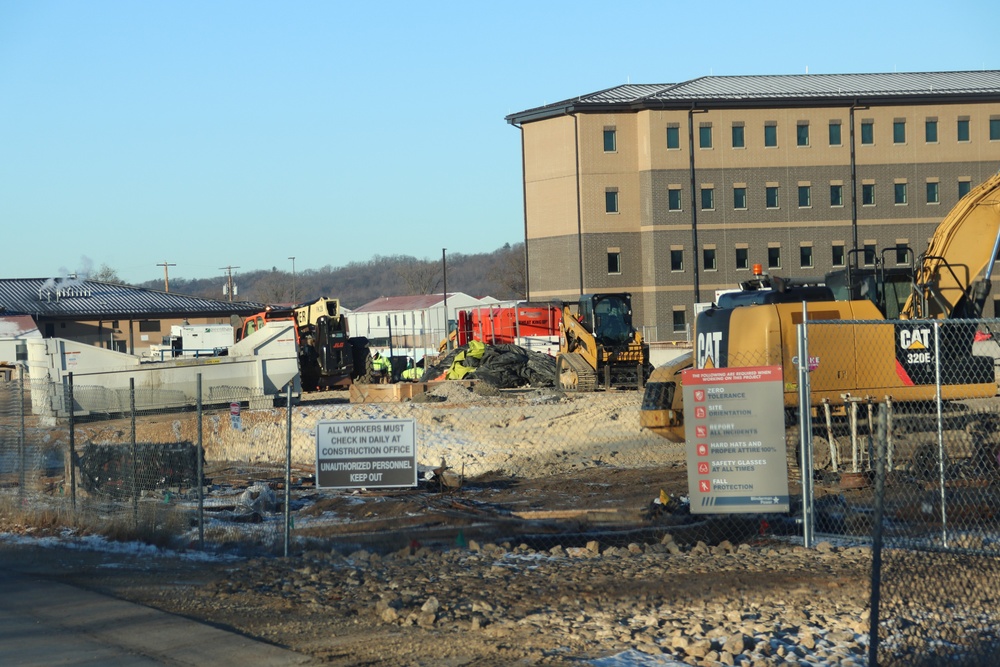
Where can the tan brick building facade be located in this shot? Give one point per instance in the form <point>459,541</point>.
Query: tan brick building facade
<point>672,192</point>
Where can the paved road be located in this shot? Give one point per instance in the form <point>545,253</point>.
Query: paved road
<point>52,624</point>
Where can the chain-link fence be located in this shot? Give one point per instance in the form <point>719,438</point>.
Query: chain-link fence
<point>905,440</point>
<point>502,456</point>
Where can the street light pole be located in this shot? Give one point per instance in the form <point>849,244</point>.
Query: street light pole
<point>444,278</point>
<point>294,299</point>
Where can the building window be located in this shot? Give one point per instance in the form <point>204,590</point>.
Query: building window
<point>994,129</point>
<point>774,258</point>
<point>680,323</point>
<point>868,194</point>
<point>899,132</point>
<point>739,141</point>
<point>705,136</point>
<point>771,135</point>
<point>708,199</point>
<point>739,198</point>
<point>837,255</point>
<point>614,263</point>
<point>933,193</point>
<point>930,130</point>
<point>805,196</point>
<point>902,254</point>
<point>802,134</point>
<point>674,199</point>
<point>676,260</point>
<point>835,133</point>
<point>611,201</point>
<point>963,129</point>
<point>806,257</point>
<point>742,258</point>
<point>899,193</point>
<point>963,188</point>
<point>149,326</point>
<point>836,195</point>
<point>673,137</point>
<point>869,254</point>
<point>610,141</point>
<point>867,132</point>
<point>708,255</point>
<point>771,196</point>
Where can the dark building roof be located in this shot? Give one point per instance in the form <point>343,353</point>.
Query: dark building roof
<point>72,298</point>
<point>781,90</point>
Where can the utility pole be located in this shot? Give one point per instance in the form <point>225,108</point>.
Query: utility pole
<point>294,299</point>
<point>166,277</point>
<point>229,281</point>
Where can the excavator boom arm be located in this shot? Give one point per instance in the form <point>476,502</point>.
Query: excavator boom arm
<point>959,255</point>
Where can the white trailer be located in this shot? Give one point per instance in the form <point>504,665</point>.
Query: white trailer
<point>259,368</point>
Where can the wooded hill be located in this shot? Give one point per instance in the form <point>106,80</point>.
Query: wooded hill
<point>498,274</point>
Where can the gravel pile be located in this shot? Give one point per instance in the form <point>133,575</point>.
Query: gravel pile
<point>720,605</point>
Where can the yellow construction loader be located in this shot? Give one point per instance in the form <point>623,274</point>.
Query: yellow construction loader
<point>598,346</point>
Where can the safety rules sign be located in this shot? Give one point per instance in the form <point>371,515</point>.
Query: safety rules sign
<point>360,454</point>
<point>734,427</point>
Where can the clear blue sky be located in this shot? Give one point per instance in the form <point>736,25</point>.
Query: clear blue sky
<point>212,134</point>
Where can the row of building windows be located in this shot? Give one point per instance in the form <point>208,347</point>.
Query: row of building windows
<point>963,133</point>
<point>900,195</point>
<point>900,253</point>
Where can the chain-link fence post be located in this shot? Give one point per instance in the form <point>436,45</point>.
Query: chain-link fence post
<point>805,433</point>
<point>200,453</point>
<point>135,454</point>
<point>22,459</point>
<point>940,433</point>
<point>878,511</point>
<point>72,442</point>
<point>288,467</point>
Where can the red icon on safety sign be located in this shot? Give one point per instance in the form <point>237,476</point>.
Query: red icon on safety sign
<point>704,486</point>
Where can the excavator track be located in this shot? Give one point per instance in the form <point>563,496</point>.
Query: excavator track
<point>573,373</point>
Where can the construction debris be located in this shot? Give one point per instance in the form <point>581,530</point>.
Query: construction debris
<point>504,366</point>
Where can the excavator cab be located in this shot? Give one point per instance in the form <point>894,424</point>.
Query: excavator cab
<point>886,287</point>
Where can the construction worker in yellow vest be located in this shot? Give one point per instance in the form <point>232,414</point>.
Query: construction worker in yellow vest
<point>381,368</point>
<point>412,373</point>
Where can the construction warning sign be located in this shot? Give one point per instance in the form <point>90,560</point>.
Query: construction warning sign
<point>735,434</point>
<point>366,454</point>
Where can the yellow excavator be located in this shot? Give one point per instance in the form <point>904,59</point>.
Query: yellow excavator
<point>873,357</point>
<point>598,346</point>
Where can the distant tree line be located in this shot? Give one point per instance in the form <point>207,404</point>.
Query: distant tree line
<point>498,274</point>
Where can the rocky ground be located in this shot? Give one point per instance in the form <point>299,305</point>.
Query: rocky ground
<point>551,550</point>
<point>768,603</point>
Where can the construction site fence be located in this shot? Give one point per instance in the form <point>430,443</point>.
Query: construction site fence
<point>899,452</point>
<point>904,444</point>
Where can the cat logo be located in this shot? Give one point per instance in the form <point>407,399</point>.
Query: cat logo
<point>709,344</point>
<point>914,339</point>
<point>915,344</point>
